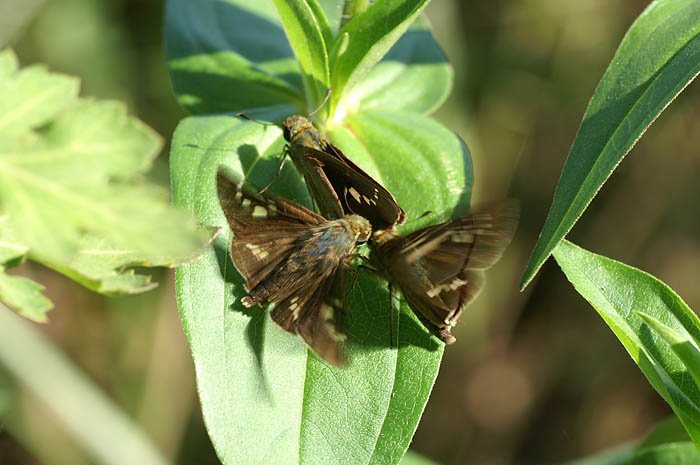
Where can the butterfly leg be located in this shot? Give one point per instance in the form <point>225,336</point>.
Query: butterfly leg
<point>283,158</point>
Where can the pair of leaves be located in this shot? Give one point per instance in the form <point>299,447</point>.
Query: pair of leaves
<point>71,190</point>
<point>658,58</point>
<point>265,397</point>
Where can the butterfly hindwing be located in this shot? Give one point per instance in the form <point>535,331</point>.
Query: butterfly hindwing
<point>318,317</point>
<point>439,269</point>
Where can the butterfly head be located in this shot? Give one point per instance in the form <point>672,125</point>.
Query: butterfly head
<point>295,125</point>
<point>383,236</point>
<point>361,228</point>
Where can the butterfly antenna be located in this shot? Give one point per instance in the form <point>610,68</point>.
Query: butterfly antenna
<point>264,123</point>
<point>422,215</point>
<point>325,99</point>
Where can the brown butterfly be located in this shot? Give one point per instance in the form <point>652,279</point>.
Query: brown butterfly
<point>440,269</point>
<point>337,185</point>
<point>296,259</point>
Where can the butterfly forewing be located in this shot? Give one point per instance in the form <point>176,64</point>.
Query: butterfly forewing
<point>338,185</point>
<point>293,258</point>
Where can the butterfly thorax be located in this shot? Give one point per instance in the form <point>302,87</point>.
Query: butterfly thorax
<point>384,242</point>
<point>299,131</point>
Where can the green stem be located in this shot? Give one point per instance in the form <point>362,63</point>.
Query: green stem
<point>352,8</point>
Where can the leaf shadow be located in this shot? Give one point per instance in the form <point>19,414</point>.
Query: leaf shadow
<point>370,326</point>
<point>255,327</point>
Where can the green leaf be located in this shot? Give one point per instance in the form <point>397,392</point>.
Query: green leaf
<point>365,39</point>
<point>616,290</point>
<point>24,296</point>
<point>31,97</point>
<point>233,55</point>
<point>657,59</point>
<point>73,168</point>
<point>414,76</point>
<point>413,458</point>
<point>669,430</point>
<point>309,36</point>
<point>684,347</point>
<point>682,453</point>
<point>609,457</point>
<point>265,397</point>
<point>88,414</point>
<point>230,55</point>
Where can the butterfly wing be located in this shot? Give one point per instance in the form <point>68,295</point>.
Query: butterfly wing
<point>356,190</point>
<point>439,269</point>
<point>316,313</point>
<point>265,229</point>
<point>268,231</point>
<point>317,182</point>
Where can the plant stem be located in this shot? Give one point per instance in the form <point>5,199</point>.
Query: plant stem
<point>352,8</point>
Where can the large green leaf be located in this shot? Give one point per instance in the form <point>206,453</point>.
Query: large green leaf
<point>265,397</point>
<point>618,292</point>
<point>71,174</point>
<point>233,55</point>
<point>658,57</point>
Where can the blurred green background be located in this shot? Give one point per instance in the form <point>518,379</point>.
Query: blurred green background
<point>535,377</point>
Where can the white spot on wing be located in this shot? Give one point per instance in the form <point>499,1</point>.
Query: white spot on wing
<point>259,212</point>
<point>355,194</point>
<point>452,285</point>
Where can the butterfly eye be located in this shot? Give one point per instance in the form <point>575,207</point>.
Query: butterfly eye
<point>287,134</point>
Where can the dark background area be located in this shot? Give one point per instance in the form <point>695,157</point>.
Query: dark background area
<point>535,377</point>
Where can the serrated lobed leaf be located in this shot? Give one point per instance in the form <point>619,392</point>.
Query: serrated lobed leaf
<point>617,292</point>
<point>31,97</point>
<point>24,296</point>
<point>265,398</point>
<point>657,59</point>
<point>70,168</point>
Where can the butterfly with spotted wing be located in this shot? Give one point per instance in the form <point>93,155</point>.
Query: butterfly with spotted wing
<point>439,269</point>
<point>296,259</point>
<point>338,186</point>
